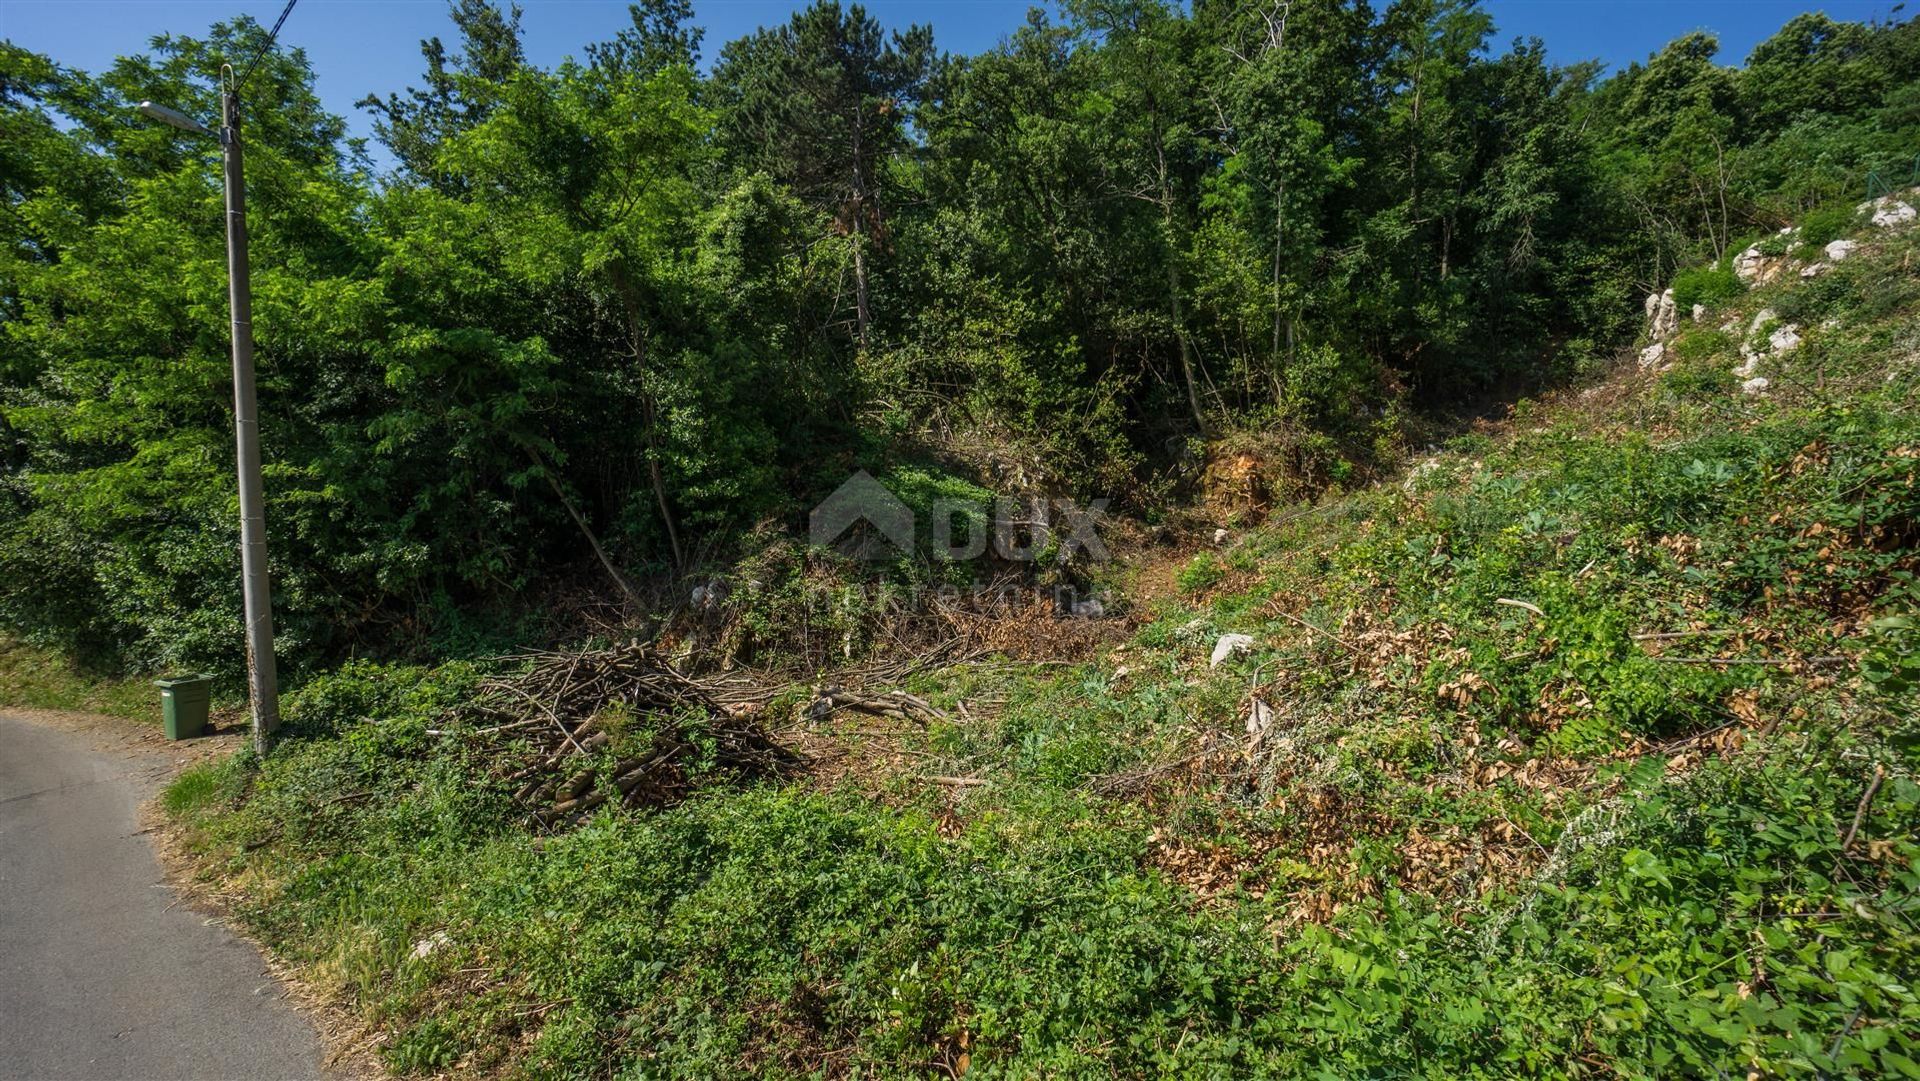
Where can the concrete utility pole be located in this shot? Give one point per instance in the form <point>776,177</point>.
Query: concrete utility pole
<point>263,687</point>
<point>263,684</point>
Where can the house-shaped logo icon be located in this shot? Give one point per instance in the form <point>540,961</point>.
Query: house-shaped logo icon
<point>862,499</point>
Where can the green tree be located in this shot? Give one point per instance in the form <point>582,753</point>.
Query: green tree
<point>462,89</point>
<point>822,104</point>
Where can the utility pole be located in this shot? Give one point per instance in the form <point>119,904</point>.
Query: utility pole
<point>263,687</point>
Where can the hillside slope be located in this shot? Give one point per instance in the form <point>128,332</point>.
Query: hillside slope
<point>1585,748</point>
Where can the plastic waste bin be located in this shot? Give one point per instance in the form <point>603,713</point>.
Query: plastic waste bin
<point>183,704</point>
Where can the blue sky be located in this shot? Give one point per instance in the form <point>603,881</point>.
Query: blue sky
<point>358,46</point>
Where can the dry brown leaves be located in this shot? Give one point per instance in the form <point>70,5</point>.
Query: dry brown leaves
<point>1024,627</point>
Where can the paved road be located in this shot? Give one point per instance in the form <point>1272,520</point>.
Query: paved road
<point>103,972</point>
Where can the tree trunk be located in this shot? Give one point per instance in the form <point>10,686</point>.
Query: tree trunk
<point>861,314</point>
<point>1279,238</point>
<point>649,416</point>
<point>659,481</point>
<point>580,521</point>
<point>1187,366</point>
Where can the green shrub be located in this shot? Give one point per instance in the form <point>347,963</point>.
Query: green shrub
<point>1827,224</point>
<point>1201,573</point>
<point>1700,382</point>
<point>1702,344</point>
<point>1705,285</point>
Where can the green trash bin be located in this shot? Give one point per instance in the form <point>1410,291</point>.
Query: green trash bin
<point>183,704</point>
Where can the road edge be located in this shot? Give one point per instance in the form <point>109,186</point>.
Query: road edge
<point>349,1044</point>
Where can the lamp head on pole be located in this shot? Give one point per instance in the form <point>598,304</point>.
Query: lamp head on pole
<point>173,118</point>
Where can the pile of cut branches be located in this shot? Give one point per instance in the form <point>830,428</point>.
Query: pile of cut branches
<point>577,730</point>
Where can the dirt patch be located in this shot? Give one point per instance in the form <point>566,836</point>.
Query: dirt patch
<point>156,758</point>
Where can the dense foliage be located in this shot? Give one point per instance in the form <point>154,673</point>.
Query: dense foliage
<point>627,308</point>
<point>1584,746</point>
<point>1659,824</point>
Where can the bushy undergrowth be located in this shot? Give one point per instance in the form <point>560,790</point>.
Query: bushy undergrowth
<point>1587,750</point>
<point>1716,922</point>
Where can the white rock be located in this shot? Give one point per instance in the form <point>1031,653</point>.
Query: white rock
<point>1219,536</point>
<point>1698,311</point>
<point>1090,608</point>
<point>1417,473</point>
<point>1814,270</point>
<point>1749,264</point>
<point>1762,318</point>
<point>1231,645</point>
<point>1784,339</point>
<point>1662,317</point>
<point>1749,364</point>
<point>427,946</point>
<point>1651,356</point>
<point>1892,212</point>
<point>1757,385</point>
<point>1259,719</point>
<point>1840,249</point>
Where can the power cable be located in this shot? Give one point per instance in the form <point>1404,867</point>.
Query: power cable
<point>262,54</point>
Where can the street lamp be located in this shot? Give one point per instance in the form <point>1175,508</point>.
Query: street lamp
<point>174,117</point>
<point>263,689</point>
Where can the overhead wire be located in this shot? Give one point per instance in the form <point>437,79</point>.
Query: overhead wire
<point>264,49</point>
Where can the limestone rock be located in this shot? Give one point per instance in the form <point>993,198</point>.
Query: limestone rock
<point>429,945</point>
<point>1784,339</point>
<point>1259,719</point>
<point>1757,385</point>
<point>1888,212</point>
<point>1230,645</point>
<point>1418,473</point>
<point>1652,355</point>
<point>1751,266</point>
<point>1840,249</point>
<point>1663,318</point>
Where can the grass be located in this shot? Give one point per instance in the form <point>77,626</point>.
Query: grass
<point>41,679</point>
<point>1587,751</point>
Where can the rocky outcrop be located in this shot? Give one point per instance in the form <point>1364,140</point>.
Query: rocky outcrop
<point>1889,212</point>
<point>1784,339</point>
<point>1781,340</point>
<point>1751,266</point>
<point>1663,318</point>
